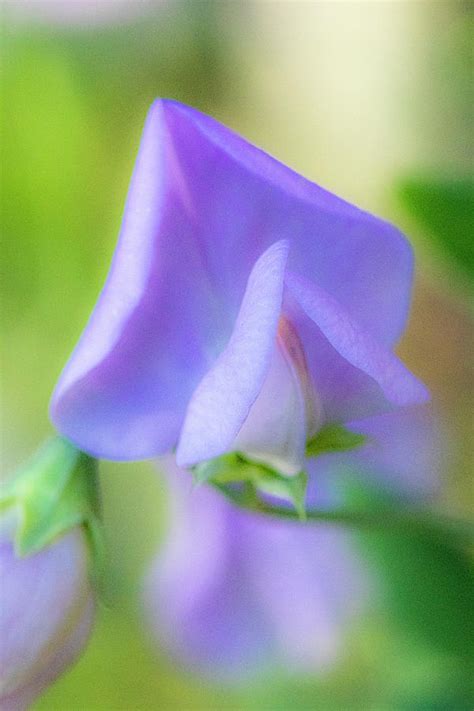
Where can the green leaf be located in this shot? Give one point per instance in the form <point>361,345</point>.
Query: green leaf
<point>444,208</point>
<point>236,467</point>
<point>54,492</point>
<point>428,584</point>
<point>426,572</point>
<point>334,438</point>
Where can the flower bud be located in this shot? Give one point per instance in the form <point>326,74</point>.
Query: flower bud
<point>46,612</point>
<point>49,533</point>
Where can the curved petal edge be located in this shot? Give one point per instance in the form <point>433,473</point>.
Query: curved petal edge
<point>357,346</point>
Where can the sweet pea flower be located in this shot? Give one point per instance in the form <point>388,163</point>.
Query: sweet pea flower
<point>46,613</point>
<point>232,594</point>
<point>246,307</point>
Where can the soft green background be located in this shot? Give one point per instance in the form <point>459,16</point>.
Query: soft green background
<point>372,100</point>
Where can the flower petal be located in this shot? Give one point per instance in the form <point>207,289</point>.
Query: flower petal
<point>279,593</point>
<point>275,430</point>
<point>404,456</point>
<point>42,599</point>
<point>404,453</point>
<point>223,398</point>
<point>356,346</point>
<point>199,601</point>
<point>323,586</point>
<point>153,332</point>
<point>241,198</point>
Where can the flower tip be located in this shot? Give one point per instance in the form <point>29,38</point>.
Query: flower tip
<point>162,105</point>
<point>155,113</point>
<point>282,248</point>
<point>418,394</point>
<point>53,407</point>
<point>183,459</point>
<point>191,452</point>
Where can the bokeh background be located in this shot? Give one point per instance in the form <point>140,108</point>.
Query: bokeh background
<point>373,100</point>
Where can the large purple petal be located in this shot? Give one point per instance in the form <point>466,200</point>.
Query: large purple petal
<point>157,327</point>
<point>223,398</point>
<point>243,199</point>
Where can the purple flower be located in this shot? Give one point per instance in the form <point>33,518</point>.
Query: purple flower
<point>245,308</point>
<point>232,594</point>
<point>46,611</point>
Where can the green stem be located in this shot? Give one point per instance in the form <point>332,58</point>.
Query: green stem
<point>384,519</point>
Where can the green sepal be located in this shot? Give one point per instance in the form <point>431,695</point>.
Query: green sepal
<point>334,438</point>
<point>236,467</point>
<point>227,469</point>
<point>291,489</point>
<point>54,492</point>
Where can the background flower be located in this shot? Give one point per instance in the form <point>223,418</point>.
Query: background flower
<point>82,13</point>
<point>235,594</point>
<point>402,458</point>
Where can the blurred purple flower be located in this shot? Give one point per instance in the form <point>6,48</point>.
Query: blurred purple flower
<point>245,308</point>
<point>402,457</point>
<point>85,13</point>
<point>46,612</point>
<point>232,594</point>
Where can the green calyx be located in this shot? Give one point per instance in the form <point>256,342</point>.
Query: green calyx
<point>242,481</point>
<point>333,438</point>
<point>226,471</point>
<point>257,477</point>
<point>54,492</point>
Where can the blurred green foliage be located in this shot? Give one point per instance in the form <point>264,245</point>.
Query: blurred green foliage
<point>429,587</point>
<point>444,209</point>
<point>427,578</point>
